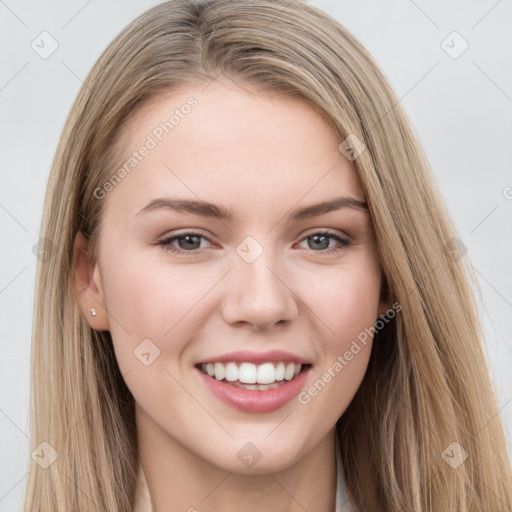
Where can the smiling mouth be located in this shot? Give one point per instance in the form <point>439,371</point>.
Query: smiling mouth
<point>254,377</point>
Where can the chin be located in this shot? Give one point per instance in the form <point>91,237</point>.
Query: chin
<point>259,456</point>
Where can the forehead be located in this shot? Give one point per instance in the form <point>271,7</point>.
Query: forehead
<point>225,143</point>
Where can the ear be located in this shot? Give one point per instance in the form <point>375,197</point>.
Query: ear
<point>87,283</point>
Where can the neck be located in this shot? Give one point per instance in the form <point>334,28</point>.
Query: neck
<point>179,480</point>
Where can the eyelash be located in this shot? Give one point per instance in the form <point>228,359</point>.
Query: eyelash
<point>343,242</point>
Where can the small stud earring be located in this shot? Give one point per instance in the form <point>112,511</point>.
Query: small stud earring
<point>93,312</point>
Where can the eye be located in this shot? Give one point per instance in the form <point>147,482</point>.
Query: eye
<point>322,239</point>
<point>188,242</point>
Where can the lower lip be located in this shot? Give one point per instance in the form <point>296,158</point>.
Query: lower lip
<point>247,400</point>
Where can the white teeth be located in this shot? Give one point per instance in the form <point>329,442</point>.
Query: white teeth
<point>250,373</point>
<point>247,373</point>
<point>288,373</point>
<point>220,371</point>
<point>256,387</point>
<point>266,373</point>
<point>231,372</point>
<point>280,371</point>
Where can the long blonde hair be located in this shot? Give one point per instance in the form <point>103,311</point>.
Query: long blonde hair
<point>427,394</point>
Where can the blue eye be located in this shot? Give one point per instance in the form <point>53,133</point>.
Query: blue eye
<point>190,242</point>
<point>322,236</point>
<point>185,240</point>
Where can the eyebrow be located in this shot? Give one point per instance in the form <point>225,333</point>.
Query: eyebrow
<point>206,209</point>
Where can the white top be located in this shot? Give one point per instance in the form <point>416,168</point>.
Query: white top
<point>143,499</point>
<point>343,503</point>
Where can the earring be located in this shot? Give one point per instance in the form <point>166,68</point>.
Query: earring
<point>93,312</point>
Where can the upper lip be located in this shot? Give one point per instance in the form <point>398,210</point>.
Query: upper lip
<point>241,356</point>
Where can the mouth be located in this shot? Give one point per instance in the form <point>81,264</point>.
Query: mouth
<point>251,387</point>
<point>251,376</point>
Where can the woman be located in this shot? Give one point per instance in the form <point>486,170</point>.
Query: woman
<point>316,347</point>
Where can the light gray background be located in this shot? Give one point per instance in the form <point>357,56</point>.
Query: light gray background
<point>461,109</point>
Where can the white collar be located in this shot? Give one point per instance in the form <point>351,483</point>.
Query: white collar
<point>143,499</point>
<point>343,503</point>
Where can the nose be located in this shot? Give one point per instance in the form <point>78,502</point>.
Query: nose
<point>258,295</point>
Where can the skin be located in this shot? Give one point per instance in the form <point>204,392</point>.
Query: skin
<point>261,155</point>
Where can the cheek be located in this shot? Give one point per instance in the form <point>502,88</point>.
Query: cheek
<point>348,306</point>
<point>357,304</point>
<point>160,302</point>
<point>148,302</point>
<point>143,293</point>
<point>345,300</point>
<point>152,313</point>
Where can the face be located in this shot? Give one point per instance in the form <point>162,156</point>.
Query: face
<point>216,275</point>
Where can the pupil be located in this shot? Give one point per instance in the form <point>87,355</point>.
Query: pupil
<point>316,237</point>
<point>187,238</point>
